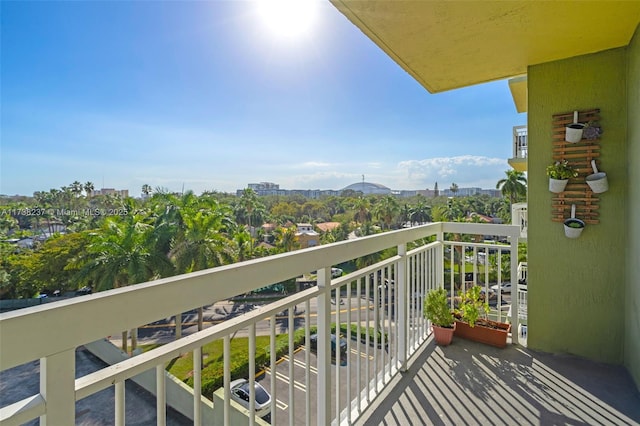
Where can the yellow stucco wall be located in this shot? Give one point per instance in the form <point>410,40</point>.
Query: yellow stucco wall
<point>632,294</point>
<point>577,286</point>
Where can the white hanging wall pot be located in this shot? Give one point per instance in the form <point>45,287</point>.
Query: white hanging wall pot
<point>573,132</point>
<point>598,180</point>
<point>557,185</point>
<point>573,227</point>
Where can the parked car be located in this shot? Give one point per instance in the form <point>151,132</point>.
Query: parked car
<point>492,294</point>
<point>240,394</point>
<point>504,288</point>
<point>84,290</point>
<point>313,345</point>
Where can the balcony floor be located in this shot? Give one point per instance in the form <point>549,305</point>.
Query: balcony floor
<point>469,384</point>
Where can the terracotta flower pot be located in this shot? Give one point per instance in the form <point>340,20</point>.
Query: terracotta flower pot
<point>443,335</point>
<point>490,336</point>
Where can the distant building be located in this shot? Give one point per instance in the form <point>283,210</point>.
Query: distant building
<point>467,192</point>
<point>427,193</point>
<point>269,188</point>
<point>263,186</point>
<point>306,235</point>
<point>122,193</point>
<point>404,193</point>
<point>327,226</point>
<point>368,188</point>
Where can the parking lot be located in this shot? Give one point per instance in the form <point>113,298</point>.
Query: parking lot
<point>296,407</point>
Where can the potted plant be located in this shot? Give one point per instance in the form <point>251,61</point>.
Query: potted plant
<point>573,226</point>
<point>559,174</point>
<point>592,130</point>
<point>472,322</point>
<point>436,309</point>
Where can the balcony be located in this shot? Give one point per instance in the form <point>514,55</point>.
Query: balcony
<point>519,218</point>
<point>520,147</point>
<point>380,303</point>
<point>472,384</point>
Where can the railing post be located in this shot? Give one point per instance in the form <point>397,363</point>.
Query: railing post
<point>120,406</point>
<point>197,386</point>
<point>178,326</point>
<point>514,284</point>
<point>440,260</point>
<point>402,301</point>
<point>57,387</point>
<point>161,396</point>
<point>324,346</point>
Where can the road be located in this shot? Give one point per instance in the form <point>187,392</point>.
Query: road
<point>163,331</point>
<point>286,384</point>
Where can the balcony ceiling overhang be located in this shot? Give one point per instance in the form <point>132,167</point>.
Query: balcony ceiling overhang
<point>518,88</point>
<point>450,44</point>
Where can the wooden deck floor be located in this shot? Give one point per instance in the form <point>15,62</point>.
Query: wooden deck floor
<point>472,384</point>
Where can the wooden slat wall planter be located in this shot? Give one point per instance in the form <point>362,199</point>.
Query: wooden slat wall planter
<point>579,156</point>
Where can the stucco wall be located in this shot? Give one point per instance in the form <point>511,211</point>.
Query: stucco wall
<point>632,297</point>
<point>179,395</point>
<point>577,286</point>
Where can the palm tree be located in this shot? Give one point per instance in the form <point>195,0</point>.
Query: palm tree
<point>241,243</point>
<point>362,214</point>
<point>405,213</point>
<point>65,195</point>
<point>454,188</point>
<point>286,240</point>
<point>514,186</point>
<point>246,205</point>
<point>197,230</point>
<point>121,254</point>
<point>386,209</point>
<point>420,212</point>
<point>203,243</point>
<point>88,188</point>
<point>76,188</point>
<point>249,207</point>
<point>439,213</point>
<point>146,190</point>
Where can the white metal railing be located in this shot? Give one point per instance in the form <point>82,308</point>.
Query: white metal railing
<point>519,218</point>
<point>381,303</point>
<point>522,301</point>
<point>520,142</point>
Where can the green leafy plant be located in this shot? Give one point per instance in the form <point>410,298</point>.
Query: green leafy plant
<point>437,310</point>
<point>561,170</point>
<point>472,306</point>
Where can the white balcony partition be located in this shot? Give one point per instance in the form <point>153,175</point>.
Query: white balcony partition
<point>519,217</point>
<point>378,309</point>
<point>520,142</point>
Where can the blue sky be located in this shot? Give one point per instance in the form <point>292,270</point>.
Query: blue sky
<point>212,95</point>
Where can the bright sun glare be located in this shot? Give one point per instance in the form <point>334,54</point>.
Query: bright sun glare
<point>288,18</point>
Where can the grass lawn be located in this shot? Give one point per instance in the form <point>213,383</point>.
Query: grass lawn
<point>213,363</point>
